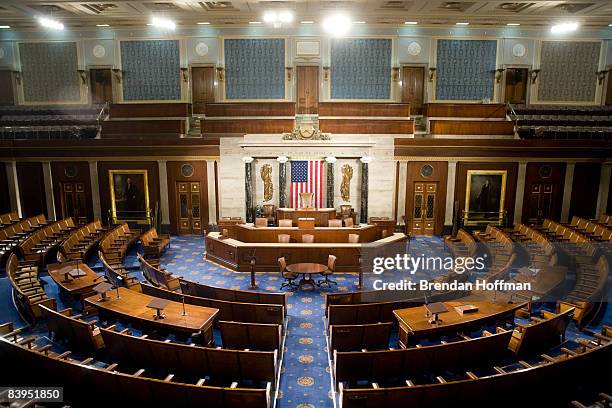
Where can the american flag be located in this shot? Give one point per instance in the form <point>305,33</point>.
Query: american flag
<point>306,177</point>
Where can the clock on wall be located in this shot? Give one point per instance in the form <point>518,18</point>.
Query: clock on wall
<point>519,50</point>
<point>414,48</point>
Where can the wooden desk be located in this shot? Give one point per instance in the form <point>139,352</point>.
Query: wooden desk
<point>307,268</point>
<point>132,306</point>
<point>80,287</point>
<point>414,324</point>
<point>321,215</point>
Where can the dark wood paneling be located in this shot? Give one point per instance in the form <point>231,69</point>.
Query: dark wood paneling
<point>502,148</point>
<point>413,88</point>
<point>101,81</point>
<point>5,200</point>
<point>307,89</point>
<point>137,127</point>
<point>202,87</point>
<point>470,127</point>
<point>609,90</point>
<point>609,205</point>
<point>461,181</point>
<point>58,173</point>
<point>243,126</point>
<point>585,188</point>
<point>465,110</point>
<point>150,110</point>
<point>364,109</point>
<point>534,179</point>
<point>174,176</point>
<point>31,189</point>
<point>439,175</point>
<point>516,85</point>
<point>250,109</point>
<point>366,126</point>
<point>7,96</point>
<point>104,181</point>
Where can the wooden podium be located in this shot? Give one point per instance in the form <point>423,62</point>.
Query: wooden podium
<point>320,215</point>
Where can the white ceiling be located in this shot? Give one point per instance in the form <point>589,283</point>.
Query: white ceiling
<point>126,13</point>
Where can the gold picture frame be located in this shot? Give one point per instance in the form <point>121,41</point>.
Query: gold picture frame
<point>129,207</point>
<point>485,194</point>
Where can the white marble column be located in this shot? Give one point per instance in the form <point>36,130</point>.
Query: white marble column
<point>567,191</point>
<point>401,193</point>
<point>48,181</point>
<point>163,192</point>
<point>450,192</point>
<point>95,191</point>
<point>212,197</point>
<point>520,193</point>
<point>604,187</point>
<point>13,185</point>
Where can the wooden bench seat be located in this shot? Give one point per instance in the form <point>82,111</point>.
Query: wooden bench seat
<point>254,336</point>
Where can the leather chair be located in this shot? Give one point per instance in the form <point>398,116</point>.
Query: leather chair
<point>348,222</point>
<point>353,238</point>
<point>261,222</point>
<point>331,268</point>
<point>334,223</point>
<point>308,238</point>
<point>269,212</point>
<point>285,223</point>
<point>306,200</point>
<point>287,276</point>
<point>283,238</point>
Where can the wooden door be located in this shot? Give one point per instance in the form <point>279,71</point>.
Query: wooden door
<point>307,89</point>
<point>101,85</point>
<point>424,208</point>
<point>516,85</point>
<point>7,97</point>
<point>188,205</point>
<point>202,87</point>
<point>540,202</point>
<point>609,90</point>
<point>74,202</point>
<point>413,88</point>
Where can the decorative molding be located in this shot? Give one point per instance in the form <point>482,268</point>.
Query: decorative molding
<point>345,187</point>
<point>306,133</point>
<point>266,177</point>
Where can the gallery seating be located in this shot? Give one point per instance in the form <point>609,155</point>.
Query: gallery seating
<point>65,326</point>
<point>8,218</point>
<point>461,245</point>
<point>154,244</point>
<point>117,241</point>
<point>116,273</point>
<point>234,295</point>
<point>157,275</point>
<point>253,336</point>
<point>16,231</point>
<point>37,245</point>
<point>28,291</point>
<point>373,336</point>
<point>540,332</point>
<point>81,241</point>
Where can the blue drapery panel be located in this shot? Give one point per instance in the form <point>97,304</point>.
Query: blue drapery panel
<point>151,70</point>
<point>49,72</point>
<point>254,68</point>
<point>568,71</point>
<point>361,68</point>
<point>465,69</point>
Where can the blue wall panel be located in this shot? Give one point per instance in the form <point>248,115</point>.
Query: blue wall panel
<point>465,69</point>
<point>151,70</point>
<point>254,68</point>
<point>361,68</point>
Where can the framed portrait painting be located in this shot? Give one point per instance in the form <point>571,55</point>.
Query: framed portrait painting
<point>484,196</point>
<point>129,195</point>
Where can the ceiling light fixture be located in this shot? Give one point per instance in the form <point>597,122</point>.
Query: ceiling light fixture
<point>5,26</point>
<point>513,24</point>
<point>102,25</point>
<point>204,23</point>
<point>337,25</point>
<point>411,22</point>
<point>462,23</point>
<point>49,23</point>
<point>564,28</point>
<point>359,22</point>
<point>164,23</point>
<point>278,18</point>
<point>254,22</point>
<point>306,22</point>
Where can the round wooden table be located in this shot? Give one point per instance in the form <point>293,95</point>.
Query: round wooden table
<point>307,269</point>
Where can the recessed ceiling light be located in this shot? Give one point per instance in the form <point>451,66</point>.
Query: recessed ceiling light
<point>337,25</point>
<point>163,23</point>
<point>254,22</point>
<point>463,23</point>
<point>359,22</point>
<point>102,25</point>
<point>609,25</point>
<point>513,24</point>
<point>5,26</point>
<point>564,27</point>
<point>203,23</point>
<point>411,22</point>
<point>306,22</point>
<point>49,23</point>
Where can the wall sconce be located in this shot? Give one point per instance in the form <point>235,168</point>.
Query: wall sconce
<point>601,75</point>
<point>432,74</point>
<point>185,72</point>
<point>289,70</point>
<point>395,74</point>
<point>326,74</point>
<point>17,76</point>
<point>498,74</point>
<point>221,74</point>
<point>83,75</point>
<point>534,75</point>
<point>117,73</point>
